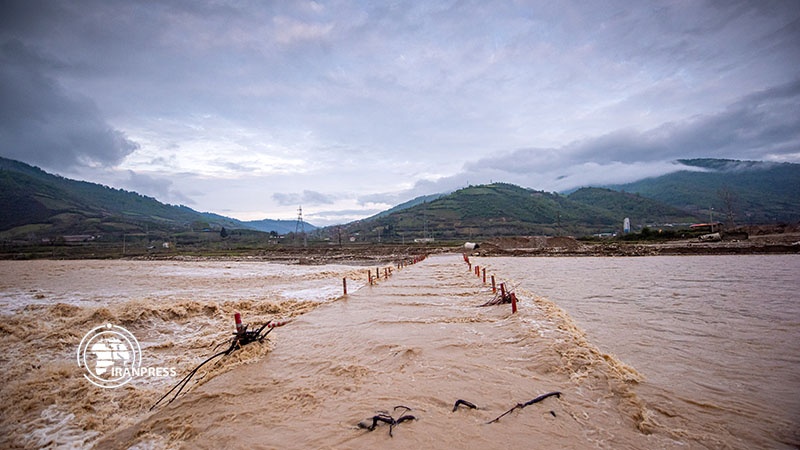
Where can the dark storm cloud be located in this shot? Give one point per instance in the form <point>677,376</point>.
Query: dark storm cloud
<point>764,123</point>
<point>436,95</point>
<point>42,124</point>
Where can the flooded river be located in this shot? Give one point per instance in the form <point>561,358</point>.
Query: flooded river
<point>717,338</point>
<point>661,352</point>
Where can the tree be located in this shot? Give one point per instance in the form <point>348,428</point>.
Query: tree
<point>223,233</point>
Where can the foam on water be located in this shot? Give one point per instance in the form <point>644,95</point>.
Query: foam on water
<point>57,429</point>
<point>179,312</point>
<point>419,335</point>
<point>419,339</point>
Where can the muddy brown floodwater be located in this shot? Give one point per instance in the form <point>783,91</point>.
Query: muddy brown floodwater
<point>715,337</point>
<point>178,311</point>
<point>417,339</point>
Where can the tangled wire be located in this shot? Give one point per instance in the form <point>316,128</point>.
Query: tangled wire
<point>240,338</point>
<point>501,297</point>
<point>471,405</point>
<point>528,403</point>
<point>384,416</point>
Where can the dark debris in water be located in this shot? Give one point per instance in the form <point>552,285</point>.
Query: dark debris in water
<point>528,403</point>
<point>460,402</point>
<point>385,417</point>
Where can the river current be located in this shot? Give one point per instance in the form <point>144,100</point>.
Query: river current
<point>715,337</point>
<point>649,352</point>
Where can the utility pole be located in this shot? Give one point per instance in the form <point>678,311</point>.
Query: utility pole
<point>711,217</point>
<point>300,227</point>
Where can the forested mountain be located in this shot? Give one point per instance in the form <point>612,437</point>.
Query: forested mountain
<point>501,209</point>
<point>729,191</point>
<point>38,205</point>
<point>748,192</point>
<point>639,209</point>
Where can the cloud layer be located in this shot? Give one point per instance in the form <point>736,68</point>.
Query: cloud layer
<point>41,122</point>
<point>250,109</point>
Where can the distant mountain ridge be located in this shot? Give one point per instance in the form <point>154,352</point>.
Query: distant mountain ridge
<point>501,209</point>
<point>739,192</point>
<point>278,226</point>
<point>36,203</point>
<point>750,191</point>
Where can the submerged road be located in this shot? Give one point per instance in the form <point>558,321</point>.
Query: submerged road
<point>419,340</point>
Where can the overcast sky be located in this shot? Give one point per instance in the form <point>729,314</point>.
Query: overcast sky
<point>252,108</point>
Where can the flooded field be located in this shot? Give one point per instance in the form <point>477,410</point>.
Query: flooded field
<point>715,337</point>
<point>646,353</point>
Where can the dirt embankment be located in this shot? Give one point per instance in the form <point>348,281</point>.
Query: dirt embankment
<point>567,246</point>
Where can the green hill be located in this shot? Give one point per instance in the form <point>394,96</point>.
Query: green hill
<point>749,192</point>
<point>38,206</point>
<point>502,209</point>
<point>640,210</point>
<point>730,191</point>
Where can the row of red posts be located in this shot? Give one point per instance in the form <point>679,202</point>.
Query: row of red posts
<point>387,271</point>
<point>481,273</point>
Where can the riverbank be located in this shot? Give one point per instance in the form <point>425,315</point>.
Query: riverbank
<point>783,243</point>
<point>314,253</point>
<point>369,254</point>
